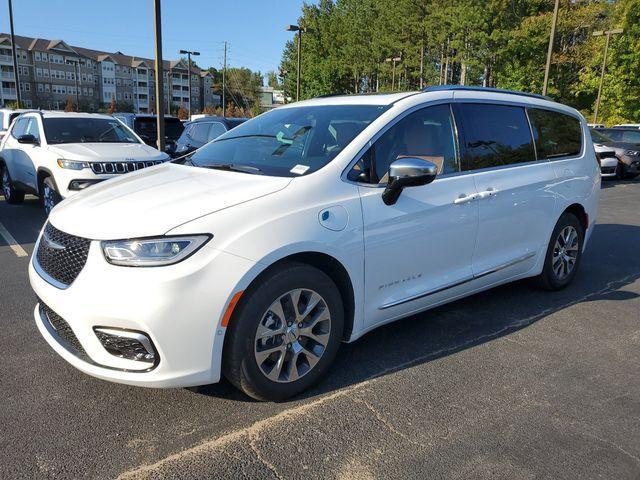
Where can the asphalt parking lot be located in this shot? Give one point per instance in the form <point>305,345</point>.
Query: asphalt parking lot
<point>511,383</point>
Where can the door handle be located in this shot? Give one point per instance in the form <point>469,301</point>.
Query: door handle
<point>489,192</point>
<point>463,198</point>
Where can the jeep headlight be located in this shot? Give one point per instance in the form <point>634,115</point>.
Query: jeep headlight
<point>72,164</point>
<point>152,252</point>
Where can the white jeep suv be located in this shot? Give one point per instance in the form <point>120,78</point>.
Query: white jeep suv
<point>56,154</point>
<point>310,225</point>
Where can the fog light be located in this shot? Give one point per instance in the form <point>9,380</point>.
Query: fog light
<point>81,184</point>
<point>127,344</point>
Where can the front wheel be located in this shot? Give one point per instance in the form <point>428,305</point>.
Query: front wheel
<point>12,195</point>
<point>50,195</point>
<point>563,254</point>
<point>285,333</point>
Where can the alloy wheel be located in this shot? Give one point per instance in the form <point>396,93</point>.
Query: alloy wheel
<point>48,198</point>
<point>6,183</point>
<point>292,335</point>
<point>565,252</point>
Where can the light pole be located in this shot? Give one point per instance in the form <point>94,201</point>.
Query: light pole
<point>554,21</point>
<point>188,53</point>
<point>607,33</point>
<point>15,57</point>
<point>76,68</point>
<point>159,74</point>
<point>393,60</point>
<point>300,30</point>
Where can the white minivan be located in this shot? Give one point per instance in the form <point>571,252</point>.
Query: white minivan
<point>310,225</point>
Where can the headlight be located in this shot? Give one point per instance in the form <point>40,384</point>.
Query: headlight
<point>71,164</point>
<point>631,153</point>
<point>152,252</point>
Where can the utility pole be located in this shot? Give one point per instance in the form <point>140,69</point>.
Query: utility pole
<point>224,82</point>
<point>554,21</point>
<point>393,60</point>
<point>159,74</point>
<point>607,33</point>
<point>15,57</point>
<point>195,54</point>
<point>422,66</point>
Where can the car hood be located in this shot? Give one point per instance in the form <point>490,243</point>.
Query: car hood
<point>154,200</point>
<point>106,152</point>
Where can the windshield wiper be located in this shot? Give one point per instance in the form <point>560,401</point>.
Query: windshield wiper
<point>233,167</point>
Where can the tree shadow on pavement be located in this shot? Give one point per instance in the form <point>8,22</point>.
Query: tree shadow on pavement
<point>481,318</point>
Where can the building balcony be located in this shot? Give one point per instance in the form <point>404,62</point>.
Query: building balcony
<point>9,93</point>
<point>5,74</point>
<point>6,59</point>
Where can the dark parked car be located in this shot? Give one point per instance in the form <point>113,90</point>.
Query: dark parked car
<point>146,128</point>
<point>626,145</point>
<point>201,131</point>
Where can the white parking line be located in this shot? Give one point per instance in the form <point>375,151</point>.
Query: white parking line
<point>15,246</point>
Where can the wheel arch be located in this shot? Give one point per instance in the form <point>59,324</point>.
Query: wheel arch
<point>41,174</point>
<point>580,213</point>
<point>329,265</point>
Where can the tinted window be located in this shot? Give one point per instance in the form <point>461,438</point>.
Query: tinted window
<point>215,131</point>
<point>556,134</point>
<point>289,141</point>
<point>18,128</point>
<point>596,136</point>
<point>86,130</point>
<point>147,128</point>
<point>427,133</point>
<point>494,135</point>
<point>199,132</point>
<point>631,136</point>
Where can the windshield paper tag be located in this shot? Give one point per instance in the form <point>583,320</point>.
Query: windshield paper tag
<point>299,169</point>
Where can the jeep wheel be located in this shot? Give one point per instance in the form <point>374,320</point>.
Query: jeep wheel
<point>11,194</point>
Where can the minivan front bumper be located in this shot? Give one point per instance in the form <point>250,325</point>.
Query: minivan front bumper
<point>178,308</point>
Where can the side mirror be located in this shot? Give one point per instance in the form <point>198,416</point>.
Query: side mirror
<point>407,172</point>
<point>29,139</point>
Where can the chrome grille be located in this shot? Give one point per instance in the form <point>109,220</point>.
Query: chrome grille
<point>62,328</point>
<point>61,256</point>
<point>121,167</point>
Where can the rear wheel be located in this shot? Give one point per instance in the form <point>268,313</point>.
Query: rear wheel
<point>285,333</point>
<point>50,195</point>
<point>11,194</point>
<point>563,253</point>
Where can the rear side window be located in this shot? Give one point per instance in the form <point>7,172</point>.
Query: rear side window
<point>494,135</point>
<point>216,130</point>
<point>200,132</point>
<point>556,134</point>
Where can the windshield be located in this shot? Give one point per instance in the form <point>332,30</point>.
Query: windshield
<point>148,127</point>
<point>289,141</point>
<point>598,137</point>
<point>86,130</point>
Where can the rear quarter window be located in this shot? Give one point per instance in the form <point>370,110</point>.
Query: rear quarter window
<point>556,134</point>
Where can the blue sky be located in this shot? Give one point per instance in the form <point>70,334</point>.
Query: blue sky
<point>255,29</point>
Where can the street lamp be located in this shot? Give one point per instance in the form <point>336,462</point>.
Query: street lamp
<point>188,53</point>
<point>393,60</point>
<point>300,30</point>
<point>76,71</point>
<point>608,33</point>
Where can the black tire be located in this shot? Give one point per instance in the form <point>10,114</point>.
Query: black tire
<point>49,195</point>
<point>549,279</point>
<point>240,365</point>
<point>12,195</point>
<point>620,171</point>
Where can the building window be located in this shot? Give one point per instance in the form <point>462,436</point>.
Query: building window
<point>44,57</point>
<point>27,103</point>
<point>85,91</point>
<point>37,56</point>
<point>38,72</point>
<point>47,87</point>
<point>40,87</point>
<point>46,73</point>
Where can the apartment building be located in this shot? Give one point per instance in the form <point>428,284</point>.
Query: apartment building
<point>51,72</point>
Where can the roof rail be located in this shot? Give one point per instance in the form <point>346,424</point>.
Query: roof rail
<point>440,88</point>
